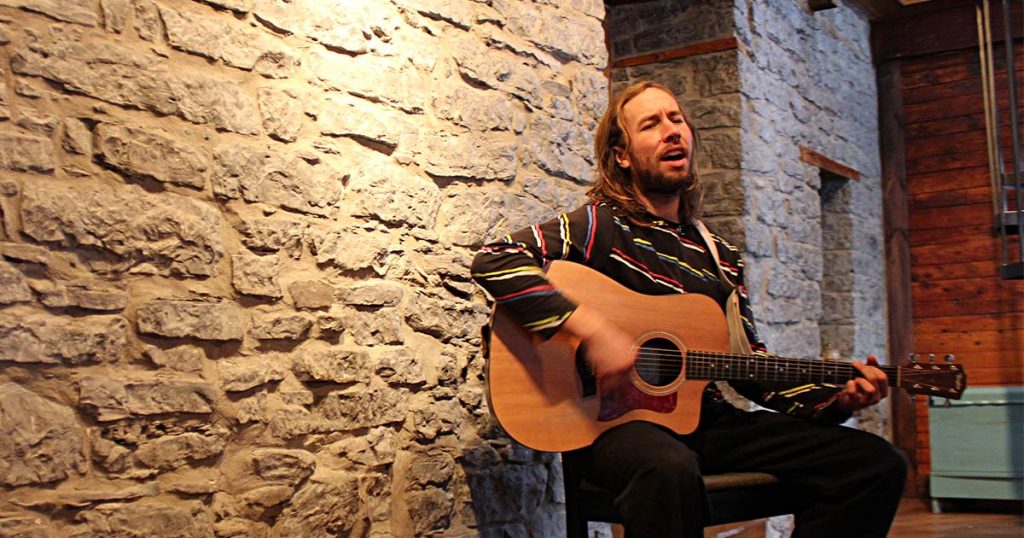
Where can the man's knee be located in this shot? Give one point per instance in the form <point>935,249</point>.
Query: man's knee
<point>884,461</point>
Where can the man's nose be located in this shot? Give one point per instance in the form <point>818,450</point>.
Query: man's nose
<point>671,131</point>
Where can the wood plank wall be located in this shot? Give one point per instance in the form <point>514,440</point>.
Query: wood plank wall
<point>959,303</point>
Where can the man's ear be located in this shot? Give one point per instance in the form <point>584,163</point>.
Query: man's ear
<point>621,157</point>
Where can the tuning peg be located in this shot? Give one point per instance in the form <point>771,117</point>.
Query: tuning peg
<point>947,405</point>
<point>949,357</point>
<point>913,357</point>
<point>931,358</point>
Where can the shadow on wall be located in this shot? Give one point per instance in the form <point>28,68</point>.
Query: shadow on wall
<point>515,491</point>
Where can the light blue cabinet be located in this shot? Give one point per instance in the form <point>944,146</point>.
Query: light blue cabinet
<point>977,445</point>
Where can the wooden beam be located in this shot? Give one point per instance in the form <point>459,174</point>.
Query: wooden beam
<point>897,261</point>
<point>810,156</point>
<point>695,49</point>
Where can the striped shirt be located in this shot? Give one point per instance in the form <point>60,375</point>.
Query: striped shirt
<point>658,258</point>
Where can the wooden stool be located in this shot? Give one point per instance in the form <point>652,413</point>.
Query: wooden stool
<point>734,497</point>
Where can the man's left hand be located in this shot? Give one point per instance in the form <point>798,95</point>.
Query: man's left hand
<point>867,390</point>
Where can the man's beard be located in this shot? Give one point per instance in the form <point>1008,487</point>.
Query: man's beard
<point>658,183</point>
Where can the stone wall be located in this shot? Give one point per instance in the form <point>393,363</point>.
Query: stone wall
<point>807,80</point>
<point>235,237</point>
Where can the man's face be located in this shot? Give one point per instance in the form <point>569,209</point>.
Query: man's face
<point>658,156</point>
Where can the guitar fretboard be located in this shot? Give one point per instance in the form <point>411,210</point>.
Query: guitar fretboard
<point>729,366</point>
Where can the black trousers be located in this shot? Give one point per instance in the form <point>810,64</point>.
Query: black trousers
<point>851,481</point>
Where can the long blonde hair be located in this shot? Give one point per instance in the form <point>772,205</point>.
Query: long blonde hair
<point>614,184</point>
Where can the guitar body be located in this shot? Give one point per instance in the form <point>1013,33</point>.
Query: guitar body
<point>544,395</point>
<point>540,393</point>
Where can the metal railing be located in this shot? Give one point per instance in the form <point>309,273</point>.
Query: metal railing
<point>1007,186</point>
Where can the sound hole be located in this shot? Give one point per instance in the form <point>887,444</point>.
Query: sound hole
<point>659,362</point>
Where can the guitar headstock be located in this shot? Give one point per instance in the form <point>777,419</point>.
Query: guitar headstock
<point>942,380</point>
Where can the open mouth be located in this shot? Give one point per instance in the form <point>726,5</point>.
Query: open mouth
<point>674,155</point>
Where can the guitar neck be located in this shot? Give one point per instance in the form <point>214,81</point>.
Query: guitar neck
<point>728,366</point>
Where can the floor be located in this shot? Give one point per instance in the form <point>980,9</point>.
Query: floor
<point>915,520</point>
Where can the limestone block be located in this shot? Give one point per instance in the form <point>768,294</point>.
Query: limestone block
<point>360,408</point>
<point>253,503</point>
<point>365,327</point>
<point>189,481</point>
<point>280,326</point>
<point>90,295</point>
<point>506,491</point>
<point>115,14</point>
<point>311,294</point>
<point>77,138</point>
<point>273,235</point>
<point>378,79</point>
<point>37,337</point>
<point>722,149</point>
<point>13,288</point>
<point>25,526</point>
<point>148,517</point>
<point>64,497</point>
<point>219,38</point>
<point>345,29</point>
<point>37,122</point>
<point>23,252</point>
<point>40,440</point>
<point>400,366</point>
<point>376,448</point>
<point>282,113</point>
<point>112,399</point>
<point>179,318</point>
<point>76,11</point>
<point>182,358</point>
<point>374,293</point>
<point>24,153</point>
<point>147,20</point>
<point>394,195</point>
<point>111,456</point>
<point>173,451</point>
<point>327,505</point>
<point>499,70</point>
<point>466,218</point>
<point>717,73</point>
<point>282,466</point>
<point>568,39</point>
<point>430,510</point>
<point>351,250</point>
<point>561,148</point>
<point>482,156</point>
<point>264,174</point>
<point>362,120</point>
<point>332,364</point>
<point>589,94</point>
<point>446,319</point>
<point>431,418</point>
<point>242,374</point>
<point>146,153</point>
<point>256,275</point>
<point>162,234</point>
<point>461,13</point>
<point>480,110</point>
<point>719,111</point>
<point>125,76</point>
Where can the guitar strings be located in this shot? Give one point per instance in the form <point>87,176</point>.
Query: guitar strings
<point>653,361</point>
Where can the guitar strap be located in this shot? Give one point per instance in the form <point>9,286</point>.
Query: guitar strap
<point>738,342</point>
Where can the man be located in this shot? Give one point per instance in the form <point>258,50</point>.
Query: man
<point>640,229</point>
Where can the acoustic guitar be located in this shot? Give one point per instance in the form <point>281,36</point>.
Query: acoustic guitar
<point>544,395</point>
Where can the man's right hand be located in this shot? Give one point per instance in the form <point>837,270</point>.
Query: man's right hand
<point>608,349</point>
